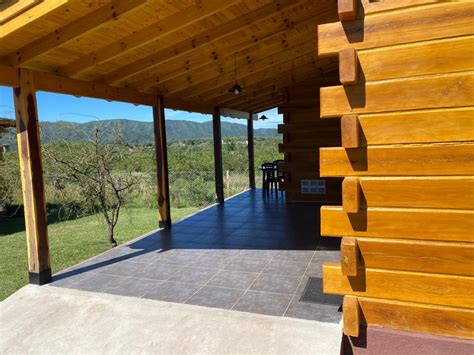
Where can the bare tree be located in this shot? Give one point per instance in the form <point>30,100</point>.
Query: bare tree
<point>90,167</point>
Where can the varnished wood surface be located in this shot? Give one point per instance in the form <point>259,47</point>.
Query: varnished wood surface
<point>416,317</point>
<point>435,289</point>
<point>31,171</point>
<point>405,223</point>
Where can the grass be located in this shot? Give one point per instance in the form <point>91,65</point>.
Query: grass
<point>70,241</point>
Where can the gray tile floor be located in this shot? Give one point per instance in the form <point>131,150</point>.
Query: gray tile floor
<point>253,254</point>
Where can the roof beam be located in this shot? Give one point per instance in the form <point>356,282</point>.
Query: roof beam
<point>199,40</point>
<point>227,112</point>
<point>259,64</point>
<point>22,21</point>
<point>86,24</point>
<point>155,31</point>
<point>219,90</point>
<point>209,59</point>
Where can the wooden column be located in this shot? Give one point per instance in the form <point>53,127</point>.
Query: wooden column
<point>219,179</point>
<point>161,152</point>
<point>251,152</point>
<point>31,169</point>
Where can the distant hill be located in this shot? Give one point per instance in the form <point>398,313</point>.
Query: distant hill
<point>136,131</point>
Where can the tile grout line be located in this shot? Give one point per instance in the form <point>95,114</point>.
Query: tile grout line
<point>296,291</point>
<point>248,288</point>
<point>205,284</point>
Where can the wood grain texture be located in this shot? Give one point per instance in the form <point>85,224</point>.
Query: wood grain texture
<point>454,192</point>
<point>436,289</point>
<point>9,76</point>
<point>420,160</point>
<point>403,223</point>
<point>347,9</point>
<point>408,26</point>
<point>349,256</point>
<point>161,155</point>
<point>426,58</point>
<point>417,255</point>
<point>350,131</point>
<point>351,314</point>
<point>351,195</point>
<point>417,317</point>
<point>348,66</point>
<point>31,169</point>
<point>448,90</point>
<point>445,125</point>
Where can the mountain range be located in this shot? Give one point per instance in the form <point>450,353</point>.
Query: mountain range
<point>136,131</point>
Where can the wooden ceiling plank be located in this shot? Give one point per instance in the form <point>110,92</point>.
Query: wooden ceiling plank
<point>254,56</point>
<point>86,24</point>
<point>199,40</point>
<point>269,105</point>
<point>160,29</point>
<point>220,89</point>
<point>265,63</point>
<point>147,79</point>
<point>21,22</point>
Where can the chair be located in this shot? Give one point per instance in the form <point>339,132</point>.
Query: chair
<point>270,179</point>
<point>279,174</point>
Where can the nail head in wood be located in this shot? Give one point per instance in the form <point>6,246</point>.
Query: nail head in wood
<point>347,9</point>
<point>349,256</point>
<point>351,314</point>
<point>351,195</point>
<point>350,131</point>
<point>348,66</point>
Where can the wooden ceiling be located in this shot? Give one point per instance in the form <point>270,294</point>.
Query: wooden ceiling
<point>189,51</point>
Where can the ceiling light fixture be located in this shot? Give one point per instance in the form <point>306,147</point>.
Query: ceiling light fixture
<point>236,89</point>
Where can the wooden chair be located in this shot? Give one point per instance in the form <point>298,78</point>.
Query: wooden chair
<point>270,179</point>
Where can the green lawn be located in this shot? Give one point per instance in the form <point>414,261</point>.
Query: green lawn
<point>70,242</point>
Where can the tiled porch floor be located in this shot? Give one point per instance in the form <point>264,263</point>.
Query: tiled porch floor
<point>253,254</point>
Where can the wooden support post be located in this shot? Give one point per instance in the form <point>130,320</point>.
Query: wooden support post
<point>348,66</point>
<point>31,169</point>
<point>219,179</point>
<point>351,314</point>
<point>349,256</point>
<point>351,194</point>
<point>347,9</point>
<point>161,150</point>
<point>350,131</point>
<point>251,152</point>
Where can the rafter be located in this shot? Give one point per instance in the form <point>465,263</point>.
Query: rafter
<point>227,78</point>
<point>246,59</point>
<point>202,39</point>
<point>201,60</point>
<point>86,24</point>
<point>219,89</point>
<point>153,32</point>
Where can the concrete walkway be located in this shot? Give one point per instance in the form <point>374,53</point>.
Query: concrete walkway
<point>59,320</point>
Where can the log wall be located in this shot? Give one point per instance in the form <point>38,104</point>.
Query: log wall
<point>407,160</point>
<point>304,132</point>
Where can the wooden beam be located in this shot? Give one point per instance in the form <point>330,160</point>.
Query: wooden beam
<point>348,66</point>
<point>62,85</point>
<point>27,20</point>
<point>83,25</point>
<point>347,9</point>
<point>257,57</point>
<point>227,112</point>
<point>351,194</point>
<point>161,154</point>
<point>153,32</point>
<point>9,76</point>
<point>351,314</point>
<point>206,38</point>
<point>219,178</point>
<point>251,153</point>
<point>5,122</point>
<point>349,256</point>
<point>204,62</point>
<point>31,169</point>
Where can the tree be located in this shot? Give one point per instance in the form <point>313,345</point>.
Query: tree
<point>91,168</point>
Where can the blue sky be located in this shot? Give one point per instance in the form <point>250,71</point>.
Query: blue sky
<point>56,107</point>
